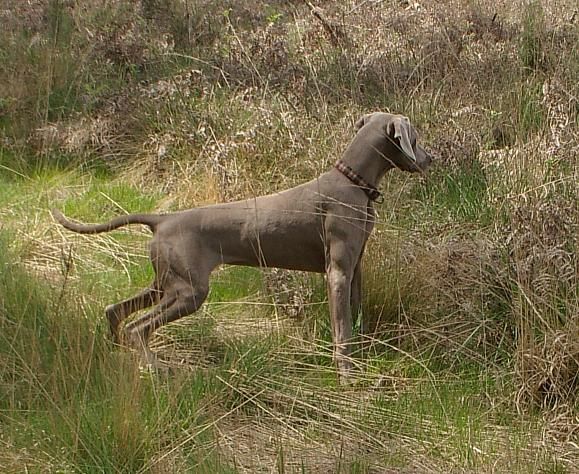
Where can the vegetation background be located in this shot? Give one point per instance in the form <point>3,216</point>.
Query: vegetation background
<point>471,277</point>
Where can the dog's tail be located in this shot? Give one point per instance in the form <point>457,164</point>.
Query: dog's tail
<point>150,220</point>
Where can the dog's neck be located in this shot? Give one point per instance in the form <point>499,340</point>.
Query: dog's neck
<point>359,181</point>
<point>369,152</point>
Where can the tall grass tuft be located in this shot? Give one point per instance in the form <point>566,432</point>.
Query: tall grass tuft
<point>532,47</point>
<point>69,401</point>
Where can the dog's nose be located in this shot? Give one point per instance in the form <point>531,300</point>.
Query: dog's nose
<point>426,161</point>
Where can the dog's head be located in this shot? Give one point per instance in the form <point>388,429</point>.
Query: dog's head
<point>398,140</point>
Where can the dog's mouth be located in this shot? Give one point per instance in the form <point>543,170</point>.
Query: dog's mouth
<point>422,164</point>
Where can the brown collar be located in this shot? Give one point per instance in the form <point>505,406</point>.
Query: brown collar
<point>349,173</point>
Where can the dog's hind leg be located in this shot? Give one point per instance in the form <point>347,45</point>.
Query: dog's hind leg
<point>138,339</point>
<point>116,313</point>
<point>182,300</point>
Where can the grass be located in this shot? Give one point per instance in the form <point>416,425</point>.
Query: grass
<point>70,402</point>
<point>67,397</point>
<point>470,275</point>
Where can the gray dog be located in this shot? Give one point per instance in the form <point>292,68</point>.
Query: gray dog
<point>320,226</point>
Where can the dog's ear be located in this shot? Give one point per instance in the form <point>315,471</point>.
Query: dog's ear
<point>361,122</point>
<point>399,129</point>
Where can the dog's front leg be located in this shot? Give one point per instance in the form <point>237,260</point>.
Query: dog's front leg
<point>339,277</point>
<point>356,297</point>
